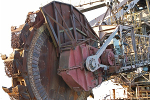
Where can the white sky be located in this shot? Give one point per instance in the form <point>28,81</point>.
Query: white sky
<point>13,13</point>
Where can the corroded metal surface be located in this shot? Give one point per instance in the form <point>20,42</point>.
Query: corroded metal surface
<point>72,68</point>
<point>37,46</point>
<point>108,57</point>
<point>32,63</point>
<point>9,68</point>
<point>42,65</point>
<point>68,27</point>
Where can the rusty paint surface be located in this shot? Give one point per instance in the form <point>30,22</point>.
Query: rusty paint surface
<point>42,70</point>
<point>68,27</point>
<point>72,68</point>
<point>56,29</point>
<point>108,57</point>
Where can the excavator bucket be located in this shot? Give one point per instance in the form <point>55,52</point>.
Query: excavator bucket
<point>50,49</point>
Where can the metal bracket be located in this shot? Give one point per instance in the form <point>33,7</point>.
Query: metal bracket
<point>92,63</point>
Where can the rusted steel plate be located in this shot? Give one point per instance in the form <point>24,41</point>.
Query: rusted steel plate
<point>45,82</point>
<point>40,43</point>
<point>67,25</point>
<point>72,69</point>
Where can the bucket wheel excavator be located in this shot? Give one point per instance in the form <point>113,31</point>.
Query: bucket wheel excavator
<point>58,56</point>
<point>49,53</point>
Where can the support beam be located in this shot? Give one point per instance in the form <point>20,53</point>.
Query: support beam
<point>148,6</point>
<point>93,7</point>
<point>114,94</point>
<point>99,18</point>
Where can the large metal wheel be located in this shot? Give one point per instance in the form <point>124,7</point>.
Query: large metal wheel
<point>42,65</point>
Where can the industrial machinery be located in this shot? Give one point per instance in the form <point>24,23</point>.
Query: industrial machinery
<point>134,77</point>
<point>58,55</point>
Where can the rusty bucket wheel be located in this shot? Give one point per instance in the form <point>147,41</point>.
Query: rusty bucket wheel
<point>42,65</point>
<point>57,27</point>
